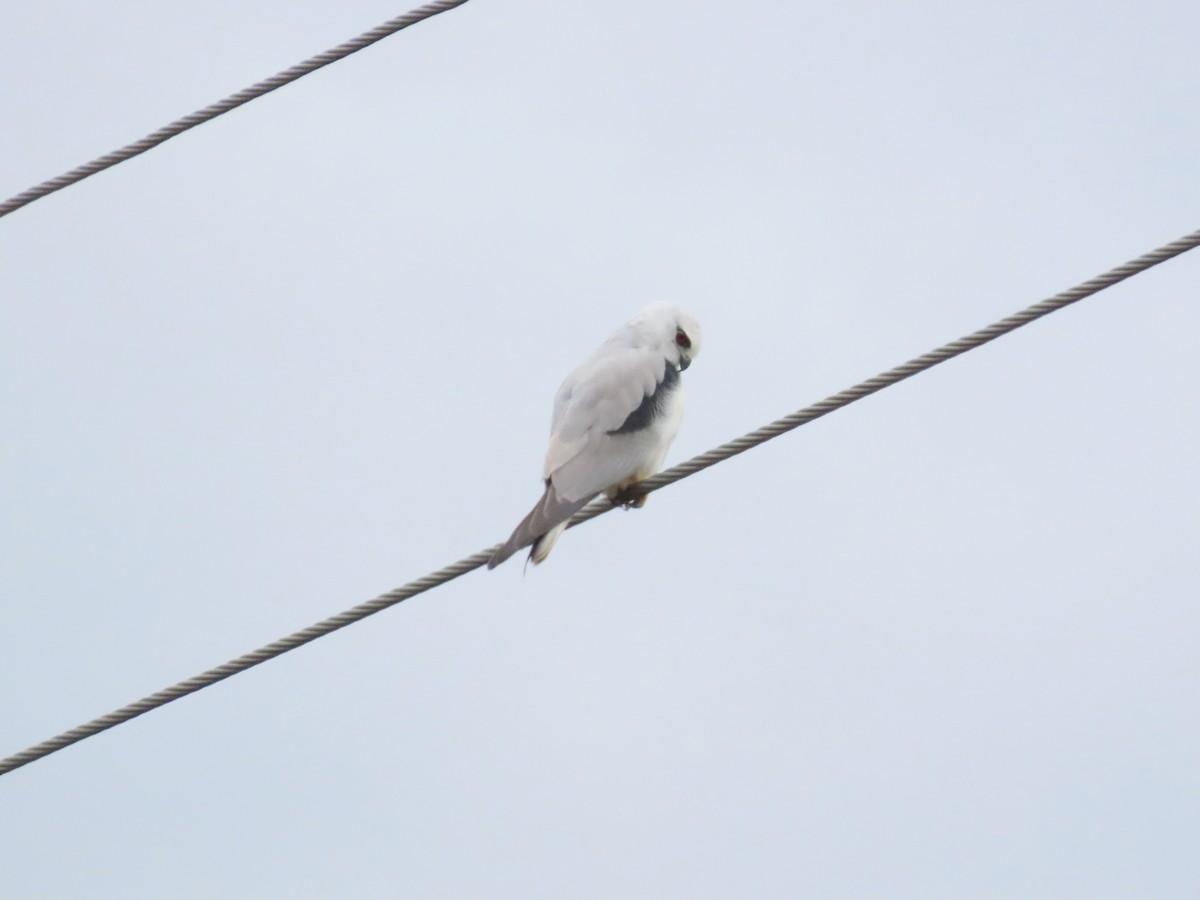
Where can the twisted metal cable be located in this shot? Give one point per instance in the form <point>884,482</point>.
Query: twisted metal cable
<point>917,365</point>
<point>599,507</point>
<point>233,101</point>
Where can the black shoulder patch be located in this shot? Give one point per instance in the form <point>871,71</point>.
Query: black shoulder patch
<point>651,406</point>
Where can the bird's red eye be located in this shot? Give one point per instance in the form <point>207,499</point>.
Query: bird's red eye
<point>682,340</point>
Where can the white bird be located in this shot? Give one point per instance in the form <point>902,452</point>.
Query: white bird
<point>615,417</point>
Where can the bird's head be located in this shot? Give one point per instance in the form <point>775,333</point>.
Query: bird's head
<point>673,329</point>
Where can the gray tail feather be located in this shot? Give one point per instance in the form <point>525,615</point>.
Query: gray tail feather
<point>549,511</point>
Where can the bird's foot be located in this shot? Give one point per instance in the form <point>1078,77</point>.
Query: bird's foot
<point>628,499</point>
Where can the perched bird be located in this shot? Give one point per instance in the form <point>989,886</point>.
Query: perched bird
<point>614,418</point>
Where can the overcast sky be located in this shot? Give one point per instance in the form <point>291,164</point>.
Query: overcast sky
<point>943,643</point>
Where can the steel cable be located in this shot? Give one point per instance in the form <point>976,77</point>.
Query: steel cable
<point>233,101</point>
<point>669,476</point>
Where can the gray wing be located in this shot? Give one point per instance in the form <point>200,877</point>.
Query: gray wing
<point>586,455</point>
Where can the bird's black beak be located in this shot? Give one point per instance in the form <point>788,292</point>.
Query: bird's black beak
<point>684,363</point>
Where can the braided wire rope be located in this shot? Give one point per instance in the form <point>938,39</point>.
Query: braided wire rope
<point>915,366</point>
<point>233,101</point>
<point>601,506</point>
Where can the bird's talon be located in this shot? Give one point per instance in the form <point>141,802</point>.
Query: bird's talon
<point>629,500</point>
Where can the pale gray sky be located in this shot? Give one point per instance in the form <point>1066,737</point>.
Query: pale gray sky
<point>940,644</point>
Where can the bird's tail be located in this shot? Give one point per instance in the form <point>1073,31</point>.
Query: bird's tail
<point>542,546</point>
<point>541,528</point>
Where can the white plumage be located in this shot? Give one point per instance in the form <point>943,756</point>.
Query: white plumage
<point>614,419</point>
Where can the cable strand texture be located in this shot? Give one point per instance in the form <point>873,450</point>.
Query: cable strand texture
<point>599,507</point>
<point>233,101</point>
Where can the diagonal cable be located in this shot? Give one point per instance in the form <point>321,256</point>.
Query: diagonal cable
<point>233,101</point>
<point>599,507</point>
